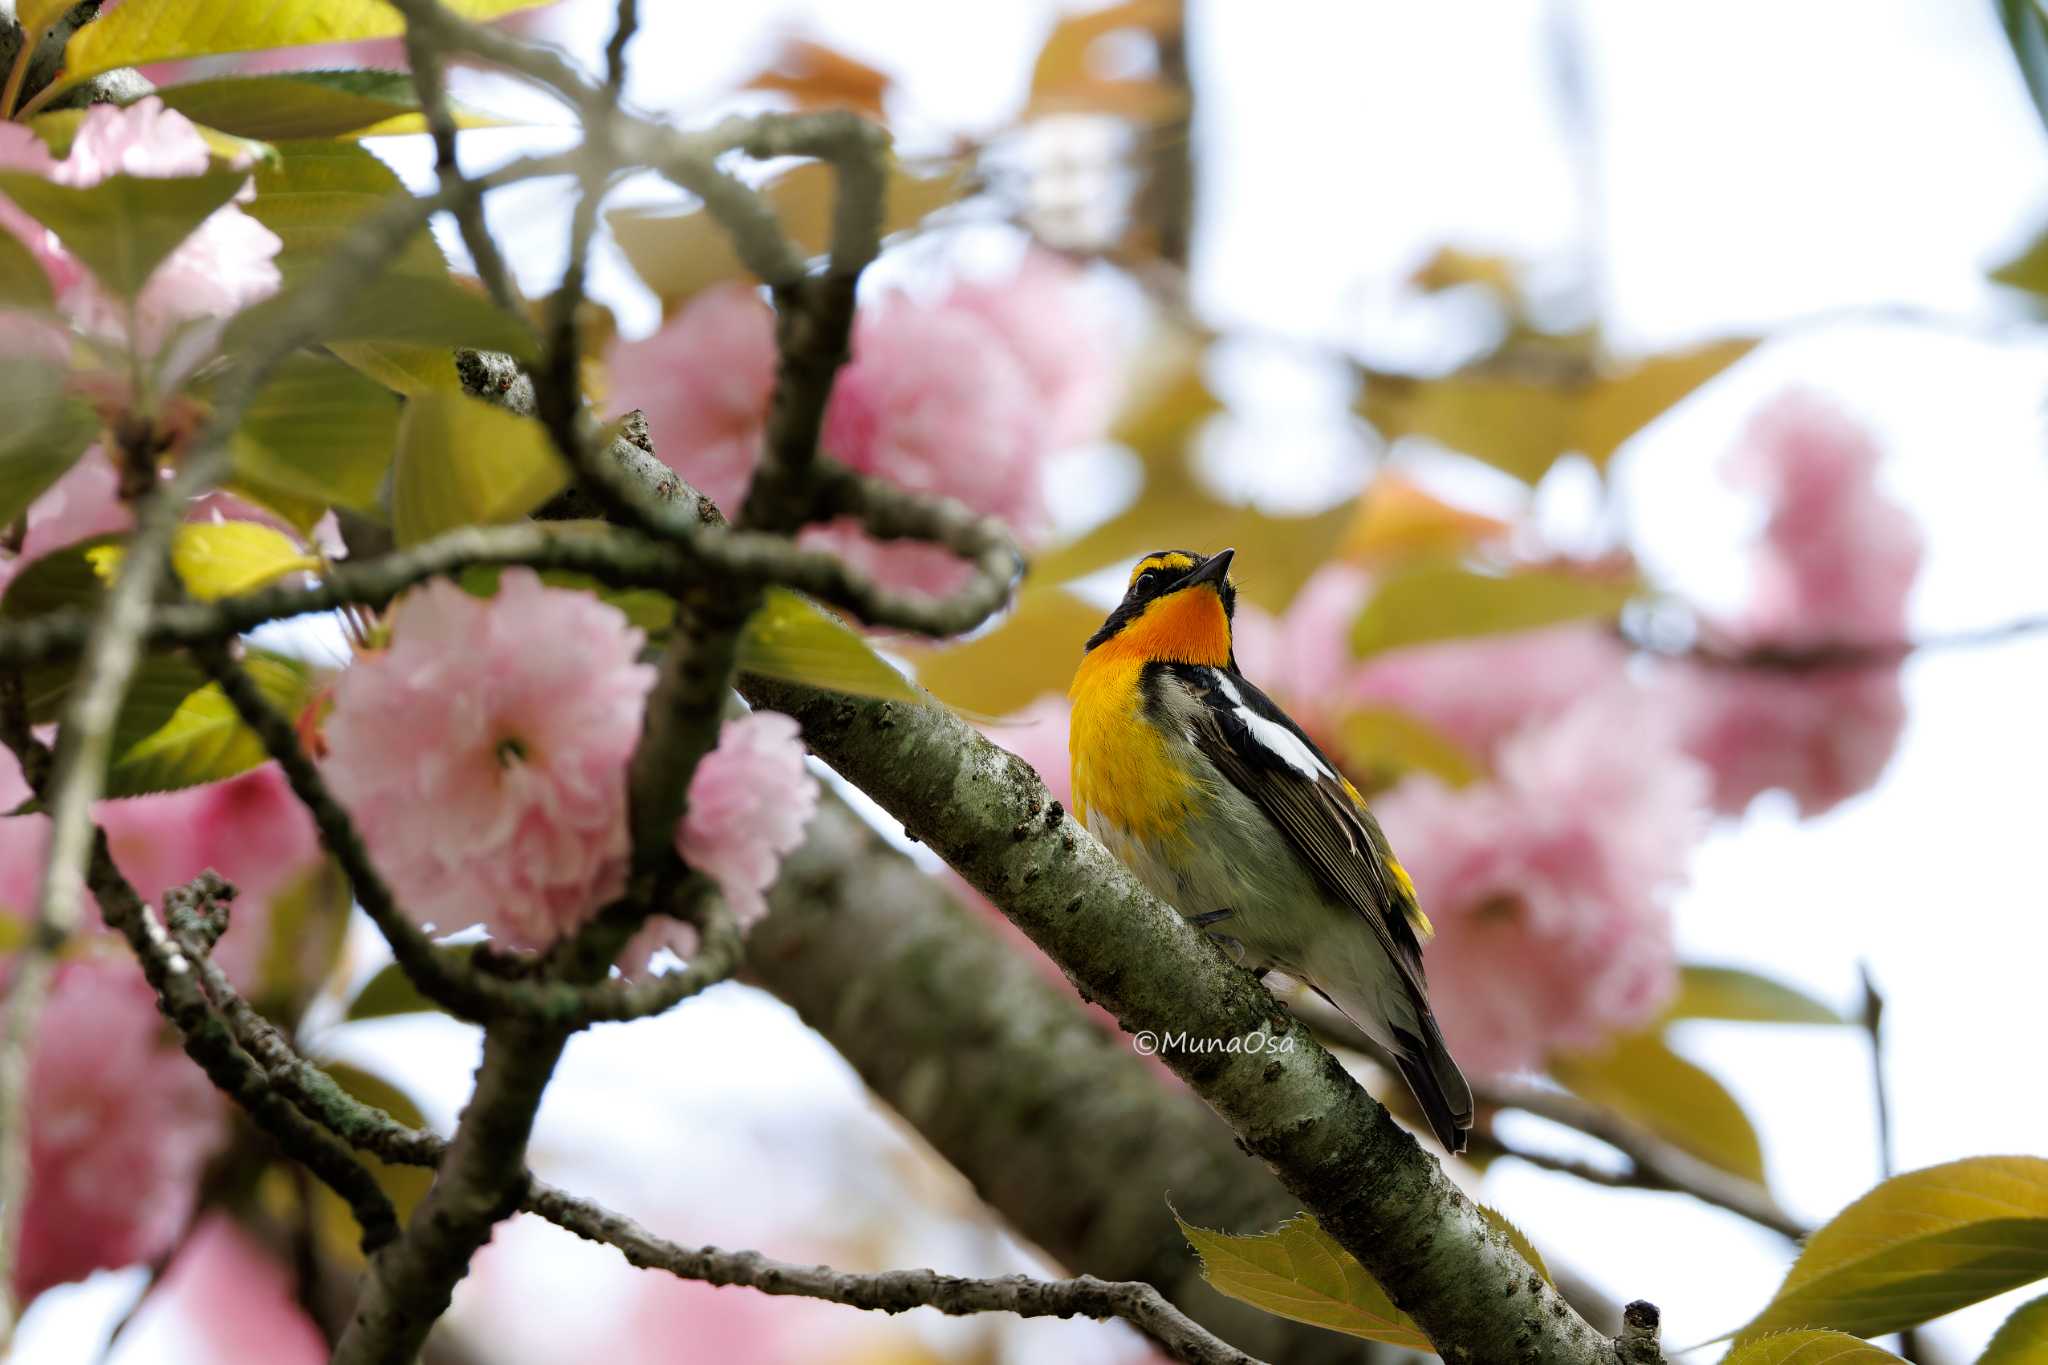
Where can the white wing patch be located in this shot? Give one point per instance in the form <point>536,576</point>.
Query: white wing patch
<point>1282,742</point>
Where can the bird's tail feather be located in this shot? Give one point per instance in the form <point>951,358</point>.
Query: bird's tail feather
<point>1439,1087</point>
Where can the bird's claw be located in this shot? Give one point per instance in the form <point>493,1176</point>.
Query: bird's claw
<point>1213,917</point>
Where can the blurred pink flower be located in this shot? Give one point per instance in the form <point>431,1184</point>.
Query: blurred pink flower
<point>121,1125</point>
<point>1836,561</point>
<point>250,829</point>
<point>962,397</point>
<point>704,380</point>
<point>483,754</point>
<point>1477,691</point>
<point>1038,735</point>
<point>225,265</point>
<point>1549,883</point>
<point>84,503</point>
<point>230,1300</point>
<point>1041,312</point>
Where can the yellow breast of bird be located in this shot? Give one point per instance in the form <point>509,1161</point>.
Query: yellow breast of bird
<point>1123,770</point>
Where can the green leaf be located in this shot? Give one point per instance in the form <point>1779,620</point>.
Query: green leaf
<point>61,580</point>
<point>1520,414</point>
<point>1379,745</point>
<point>45,432</point>
<point>24,284</point>
<point>144,32</point>
<point>462,461</point>
<point>1730,993</point>
<point>2023,1339</point>
<point>791,639</point>
<point>1442,602</point>
<point>433,311</point>
<point>679,253</point>
<point>1642,1079</point>
<point>318,432</point>
<point>391,992</point>
<point>1031,651</point>
<point>1918,1246</point>
<point>405,1186</point>
<point>202,740</point>
<point>123,227</point>
<point>58,129</point>
<point>402,369</point>
<point>1808,1348</point>
<point>2029,269</point>
<point>308,104</point>
<point>1297,1271</point>
<point>303,935</point>
<point>312,194</point>
<point>2027,32</point>
<point>1275,553</point>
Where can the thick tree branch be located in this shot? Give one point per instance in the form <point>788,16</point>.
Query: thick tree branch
<point>1330,1143</point>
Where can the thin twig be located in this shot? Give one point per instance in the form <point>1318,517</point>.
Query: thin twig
<point>1656,1163</point>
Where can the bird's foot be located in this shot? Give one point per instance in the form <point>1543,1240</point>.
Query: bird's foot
<point>1213,917</point>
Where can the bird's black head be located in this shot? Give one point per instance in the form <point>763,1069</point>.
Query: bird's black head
<point>1165,573</point>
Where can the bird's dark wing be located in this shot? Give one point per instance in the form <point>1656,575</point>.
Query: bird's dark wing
<point>1266,756</point>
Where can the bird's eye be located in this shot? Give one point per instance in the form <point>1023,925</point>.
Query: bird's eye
<point>1146,579</point>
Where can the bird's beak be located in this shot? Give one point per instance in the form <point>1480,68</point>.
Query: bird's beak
<point>1212,571</point>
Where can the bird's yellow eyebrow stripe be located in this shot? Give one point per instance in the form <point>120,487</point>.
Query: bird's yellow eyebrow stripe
<point>1166,561</point>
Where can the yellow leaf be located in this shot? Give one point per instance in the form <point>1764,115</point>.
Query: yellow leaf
<point>1379,745</point>
<point>1031,651</point>
<point>462,462</point>
<point>144,31</point>
<point>1642,1079</point>
<point>2023,1339</point>
<point>791,639</point>
<point>1297,1271</point>
<point>1065,80</point>
<point>224,558</point>
<point>1918,1246</point>
<point>1443,602</point>
<point>1399,519</point>
<point>1808,1348</point>
<point>1276,553</point>
<point>59,127</point>
<point>679,253</point>
<point>1522,414</point>
<point>1730,993</point>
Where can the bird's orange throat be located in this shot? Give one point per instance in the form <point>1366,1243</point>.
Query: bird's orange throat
<point>1186,627</point>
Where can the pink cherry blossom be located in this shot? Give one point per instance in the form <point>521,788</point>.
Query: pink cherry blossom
<point>225,265</point>
<point>751,799</point>
<point>1477,691</point>
<point>1550,883</point>
<point>963,396</point>
<point>121,1123</point>
<point>483,755</point>
<point>1836,561</point>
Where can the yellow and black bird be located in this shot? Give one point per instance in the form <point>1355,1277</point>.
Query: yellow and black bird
<point>1223,807</point>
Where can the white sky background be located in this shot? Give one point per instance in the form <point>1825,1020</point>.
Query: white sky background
<point>1751,164</point>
